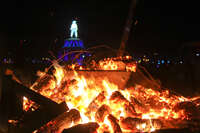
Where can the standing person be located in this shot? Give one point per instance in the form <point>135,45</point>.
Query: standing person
<point>74,29</point>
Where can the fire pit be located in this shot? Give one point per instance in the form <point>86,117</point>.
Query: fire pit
<point>107,101</point>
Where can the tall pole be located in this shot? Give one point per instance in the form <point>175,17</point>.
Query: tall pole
<point>127,28</point>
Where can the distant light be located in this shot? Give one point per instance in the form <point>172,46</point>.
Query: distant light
<point>162,61</point>
<point>74,29</point>
<point>83,56</point>
<point>159,62</point>
<point>197,54</point>
<point>168,62</point>
<point>181,62</point>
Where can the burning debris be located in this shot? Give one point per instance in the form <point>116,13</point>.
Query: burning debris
<point>29,105</point>
<point>97,104</point>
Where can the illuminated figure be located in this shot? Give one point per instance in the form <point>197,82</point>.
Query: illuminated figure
<point>74,29</point>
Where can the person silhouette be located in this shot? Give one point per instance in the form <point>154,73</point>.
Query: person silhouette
<point>74,29</point>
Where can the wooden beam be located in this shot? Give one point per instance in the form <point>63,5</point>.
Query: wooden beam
<point>32,95</point>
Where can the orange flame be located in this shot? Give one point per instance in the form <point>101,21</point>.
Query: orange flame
<point>79,92</point>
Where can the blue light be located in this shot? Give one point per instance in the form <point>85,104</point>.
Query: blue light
<point>81,44</point>
<point>162,61</point>
<point>66,58</point>
<point>168,62</point>
<point>76,42</point>
<point>73,45</point>
<point>158,62</point>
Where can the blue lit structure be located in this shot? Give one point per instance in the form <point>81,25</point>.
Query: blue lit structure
<point>73,43</point>
<point>70,45</point>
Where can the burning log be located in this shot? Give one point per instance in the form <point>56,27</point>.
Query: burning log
<point>190,109</point>
<point>63,85</point>
<point>34,120</point>
<point>94,105</point>
<point>134,124</point>
<point>114,124</point>
<point>117,97</point>
<point>130,110</point>
<point>138,105</point>
<point>90,127</point>
<point>130,123</point>
<point>61,122</point>
<point>182,130</point>
<point>196,100</point>
<point>43,82</point>
<point>101,113</point>
<point>32,95</point>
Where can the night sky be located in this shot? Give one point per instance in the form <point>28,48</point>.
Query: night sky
<point>163,27</point>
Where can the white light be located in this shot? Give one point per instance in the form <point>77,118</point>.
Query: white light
<point>74,29</point>
<point>197,54</point>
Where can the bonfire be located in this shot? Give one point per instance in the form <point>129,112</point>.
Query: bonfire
<point>106,107</point>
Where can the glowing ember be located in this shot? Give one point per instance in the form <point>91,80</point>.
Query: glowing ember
<point>29,105</point>
<point>131,67</point>
<point>130,110</point>
<point>14,122</point>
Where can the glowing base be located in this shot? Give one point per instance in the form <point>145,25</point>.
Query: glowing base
<point>73,43</point>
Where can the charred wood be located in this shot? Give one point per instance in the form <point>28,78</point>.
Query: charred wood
<point>34,120</point>
<point>117,97</point>
<point>94,105</point>
<point>132,123</point>
<point>32,95</point>
<point>138,105</point>
<point>101,113</point>
<point>182,130</point>
<point>43,82</point>
<point>83,128</point>
<point>114,123</point>
<point>190,109</point>
<point>61,122</point>
<point>130,110</point>
<point>196,101</point>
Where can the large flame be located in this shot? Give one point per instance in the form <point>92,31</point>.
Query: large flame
<point>90,96</point>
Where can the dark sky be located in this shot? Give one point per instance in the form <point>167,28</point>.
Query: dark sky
<point>162,26</point>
